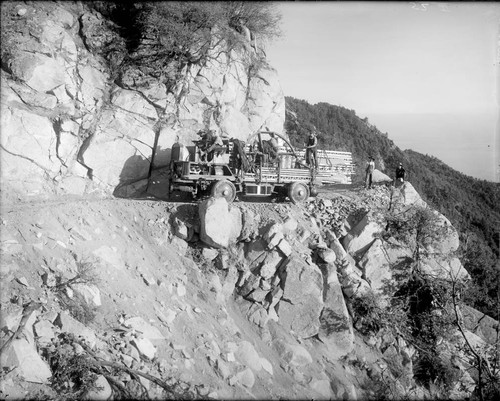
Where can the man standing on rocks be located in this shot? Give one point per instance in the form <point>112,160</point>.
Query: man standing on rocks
<point>369,173</point>
<point>400,175</point>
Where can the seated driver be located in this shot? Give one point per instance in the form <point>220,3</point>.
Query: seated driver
<point>213,145</point>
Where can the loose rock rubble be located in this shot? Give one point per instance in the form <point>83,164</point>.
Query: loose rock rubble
<point>146,289</point>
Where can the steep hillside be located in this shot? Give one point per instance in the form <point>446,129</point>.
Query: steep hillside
<point>128,296</point>
<point>113,290</point>
<point>472,205</point>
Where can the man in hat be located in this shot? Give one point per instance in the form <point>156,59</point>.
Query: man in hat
<point>400,175</point>
<point>311,151</point>
<point>370,166</point>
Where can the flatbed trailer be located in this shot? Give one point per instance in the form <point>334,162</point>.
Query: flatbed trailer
<point>287,175</point>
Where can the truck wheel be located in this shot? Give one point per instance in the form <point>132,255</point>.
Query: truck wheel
<point>224,189</point>
<point>298,192</point>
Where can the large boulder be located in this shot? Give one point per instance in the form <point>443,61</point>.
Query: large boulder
<point>302,302</point>
<point>220,222</point>
<point>380,178</point>
<point>23,356</point>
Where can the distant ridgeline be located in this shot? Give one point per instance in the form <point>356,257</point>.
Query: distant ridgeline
<point>472,205</point>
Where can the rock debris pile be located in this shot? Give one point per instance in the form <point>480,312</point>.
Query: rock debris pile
<point>205,300</point>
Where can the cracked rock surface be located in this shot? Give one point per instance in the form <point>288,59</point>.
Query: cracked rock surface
<point>66,117</point>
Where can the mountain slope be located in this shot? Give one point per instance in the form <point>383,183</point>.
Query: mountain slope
<point>472,205</point>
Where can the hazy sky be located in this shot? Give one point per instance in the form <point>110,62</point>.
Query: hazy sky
<point>426,73</point>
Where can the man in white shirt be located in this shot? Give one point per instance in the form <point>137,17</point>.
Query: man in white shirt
<point>369,173</point>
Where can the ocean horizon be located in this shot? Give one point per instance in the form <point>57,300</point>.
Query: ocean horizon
<point>468,143</point>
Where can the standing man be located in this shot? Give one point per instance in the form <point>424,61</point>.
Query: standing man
<point>400,175</point>
<point>274,141</point>
<point>369,172</point>
<point>311,149</point>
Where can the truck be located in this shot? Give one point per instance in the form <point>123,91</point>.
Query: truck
<point>244,169</point>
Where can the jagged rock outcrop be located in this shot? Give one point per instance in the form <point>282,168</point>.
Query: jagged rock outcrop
<point>384,261</point>
<point>336,327</point>
<point>361,237</point>
<point>302,303</point>
<point>380,262</point>
<point>65,118</point>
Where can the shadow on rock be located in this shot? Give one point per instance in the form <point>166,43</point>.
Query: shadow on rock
<point>140,179</point>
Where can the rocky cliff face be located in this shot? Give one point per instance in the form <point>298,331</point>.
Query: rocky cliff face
<point>66,118</point>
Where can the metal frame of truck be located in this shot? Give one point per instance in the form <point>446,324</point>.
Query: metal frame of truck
<point>289,176</point>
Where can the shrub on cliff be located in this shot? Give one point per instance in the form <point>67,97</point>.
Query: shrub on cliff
<point>185,30</point>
